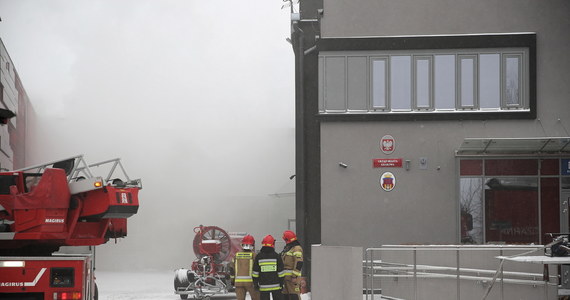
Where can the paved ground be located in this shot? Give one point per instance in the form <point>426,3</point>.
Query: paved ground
<point>155,285</point>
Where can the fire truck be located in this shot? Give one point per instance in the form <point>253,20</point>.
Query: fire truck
<point>51,218</point>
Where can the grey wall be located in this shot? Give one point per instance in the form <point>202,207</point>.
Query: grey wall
<point>336,273</point>
<point>461,273</point>
<point>409,17</point>
<point>423,208</point>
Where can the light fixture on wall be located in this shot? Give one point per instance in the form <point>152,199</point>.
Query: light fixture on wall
<point>342,165</point>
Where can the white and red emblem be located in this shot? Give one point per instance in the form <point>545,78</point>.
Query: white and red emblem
<point>388,181</point>
<point>387,144</point>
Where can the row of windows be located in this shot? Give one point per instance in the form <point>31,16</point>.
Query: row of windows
<point>424,81</point>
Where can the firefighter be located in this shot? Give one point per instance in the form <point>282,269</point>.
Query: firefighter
<point>268,270</point>
<point>240,270</point>
<point>292,256</point>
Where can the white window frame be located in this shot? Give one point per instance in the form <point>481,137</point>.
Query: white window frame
<point>415,105</point>
<point>459,82</point>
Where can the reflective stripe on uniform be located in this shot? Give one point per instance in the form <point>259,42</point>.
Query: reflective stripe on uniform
<point>267,261</point>
<point>291,273</point>
<point>248,256</point>
<point>268,265</point>
<point>244,279</point>
<point>269,287</point>
<point>244,255</point>
<point>298,254</point>
<point>255,274</point>
<point>281,274</point>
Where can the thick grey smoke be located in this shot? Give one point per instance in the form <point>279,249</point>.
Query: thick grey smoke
<point>196,97</point>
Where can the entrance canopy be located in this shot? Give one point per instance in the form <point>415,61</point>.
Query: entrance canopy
<point>543,145</point>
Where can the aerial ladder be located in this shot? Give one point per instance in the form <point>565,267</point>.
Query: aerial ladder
<point>60,203</point>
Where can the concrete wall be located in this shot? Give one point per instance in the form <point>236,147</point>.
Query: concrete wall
<point>423,208</point>
<point>408,17</point>
<point>336,273</point>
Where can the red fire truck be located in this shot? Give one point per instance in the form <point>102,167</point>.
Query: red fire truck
<point>49,215</point>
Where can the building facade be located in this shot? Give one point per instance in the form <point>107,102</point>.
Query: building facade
<point>436,122</point>
<point>13,97</point>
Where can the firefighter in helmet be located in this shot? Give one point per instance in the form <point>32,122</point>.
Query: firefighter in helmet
<point>292,256</point>
<point>240,270</point>
<point>268,271</point>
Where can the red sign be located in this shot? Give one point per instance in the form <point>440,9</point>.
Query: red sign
<point>387,162</point>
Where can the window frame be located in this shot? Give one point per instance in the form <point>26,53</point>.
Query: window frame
<point>459,105</point>
<point>409,77</point>
<point>386,60</point>
<point>413,57</point>
<point>500,81</point>
<point>430,79</point>
<point>480,171</point>
<point>442,44</point>
<point>521,77</point>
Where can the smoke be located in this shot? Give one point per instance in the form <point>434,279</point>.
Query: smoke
<point>197,98</point>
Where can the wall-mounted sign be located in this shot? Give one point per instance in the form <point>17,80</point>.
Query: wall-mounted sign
<point>387,162</point>
<point>387,144</point>
<point>388,181</point>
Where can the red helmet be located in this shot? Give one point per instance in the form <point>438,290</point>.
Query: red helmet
<point>289,236</point>
<point>268,241</point>
<point>248,242</point>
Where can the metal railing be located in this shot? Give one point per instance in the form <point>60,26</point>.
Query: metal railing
<point>76,168</point>
<point>455,272</point>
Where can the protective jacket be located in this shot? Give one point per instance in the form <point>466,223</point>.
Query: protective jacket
<point>241,269</point>
<point>268,270</point>
<point>292,257</point>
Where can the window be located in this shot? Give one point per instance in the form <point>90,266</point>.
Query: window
<point>444,84</point>
<point>379,79</point>
<point>512,80</point>
<point>62,277</point>
<point>490,81</point>
<point>467,87</point>
<point>471,207</point>
<point>423,82</point>
<point>335,82</point>
<point>420,81</point>
<point>356,83</point>
<point>400,83</point>
<point>505,200</point>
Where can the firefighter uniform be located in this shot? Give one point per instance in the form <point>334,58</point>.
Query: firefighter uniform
<point>292,257</point>
<point>268,271</point>
<point>240,274</point>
